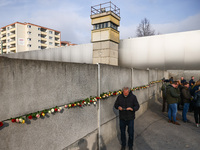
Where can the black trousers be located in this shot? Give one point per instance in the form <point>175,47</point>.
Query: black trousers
<point>197,114</point>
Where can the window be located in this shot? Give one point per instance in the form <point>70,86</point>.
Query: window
<point>29,32</point>
<point>8,34</point>
<point>50,37</point>
<point>50,32</point>
<point>8,40</point>
<point>39,47</point>
<point>29,39</point>
<point>39,41</point>
<point>29,26</point>
<point>50,43</point>
<point>39,35</point>
<point>29,45</point>
<point>39,29</point>
<point>8,28</point>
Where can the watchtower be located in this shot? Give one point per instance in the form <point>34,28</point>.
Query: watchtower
<point>105,35</point>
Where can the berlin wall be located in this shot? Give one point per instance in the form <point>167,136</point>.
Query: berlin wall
<point>32,85</point>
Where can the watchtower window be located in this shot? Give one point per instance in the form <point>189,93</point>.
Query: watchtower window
<point>105,25</point>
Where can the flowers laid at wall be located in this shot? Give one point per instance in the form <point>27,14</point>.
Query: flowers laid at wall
<point>81,103</point>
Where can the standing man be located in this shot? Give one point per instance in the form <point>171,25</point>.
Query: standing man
<point>182,80</point>
<point>186,101</point>
<point>127,105</point>
<point>191,82</point>
<point>172,100</point>
<point>164,94</point>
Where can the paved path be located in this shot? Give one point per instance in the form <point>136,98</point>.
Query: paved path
<point>153,132</point>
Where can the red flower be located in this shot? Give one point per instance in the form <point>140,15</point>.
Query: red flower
<point>80,105</point>
<point>72,105</point>
<point>97,98</point>
<point>13,120</point>
<point>1,124</point>
<point>30,117</point>
<point>56,109</point>
<point>83,101</point>
<point>90,101</point>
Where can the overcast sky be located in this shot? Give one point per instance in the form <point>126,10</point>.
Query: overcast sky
<point>72,17</point>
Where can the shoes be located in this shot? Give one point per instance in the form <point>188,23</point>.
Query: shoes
<point>130,148</point>
<point>198,125</point>
<point>123,148</point>
<point>187,121</point>
<point>169,121</point>
<point>176,123</point>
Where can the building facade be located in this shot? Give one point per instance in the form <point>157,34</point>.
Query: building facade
<point>19,37</point>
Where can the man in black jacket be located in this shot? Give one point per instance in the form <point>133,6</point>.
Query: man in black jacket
<point>127,104</point>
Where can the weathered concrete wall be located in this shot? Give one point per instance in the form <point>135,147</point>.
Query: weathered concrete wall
<point>177,74</point>
<point>79,54</point>
<point>28,86</point>
<point>167,51</point>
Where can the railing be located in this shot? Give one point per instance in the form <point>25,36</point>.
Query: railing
<point>105,7</point>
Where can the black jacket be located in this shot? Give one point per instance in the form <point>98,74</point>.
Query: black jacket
<point>197,99</point>
<point>125,102</point>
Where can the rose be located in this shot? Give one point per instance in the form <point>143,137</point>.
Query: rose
<point>60,108</point>
<point>30,117</point>
<point>80,105</point>
<point>85,103</point>
<point>13,120</point>
<point>52,110</point>
<point>90,101</point>
<point>56,109</point>
<point>43,114</point>
<point>17,120</point>
<point>23,121</point>
<point>72,105</point>
<point>1,124</point>
<point>49,111</point>
<point>20,119</point>
<point>38,115</point>
<point>94,103</point>
<point>65,106</point>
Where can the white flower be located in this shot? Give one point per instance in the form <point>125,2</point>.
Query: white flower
<point>95,103</point>
<point>20,120</point>
<point>49,111</point>
<point>17,120</point>
<point>88,103</point>
<point>52,110</point>
<point>38,116</point>
<point>60,108</point>
<point>85,103</point>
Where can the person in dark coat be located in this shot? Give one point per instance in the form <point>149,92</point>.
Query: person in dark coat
<point>197,107</point>
<point>173,96</point>
<point>186,101</point>
<point>191,82</point>
<point>127,105</point>
<point>182,80</point>
<point>164,94</point>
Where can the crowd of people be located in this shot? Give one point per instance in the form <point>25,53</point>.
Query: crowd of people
<point>181,95</point>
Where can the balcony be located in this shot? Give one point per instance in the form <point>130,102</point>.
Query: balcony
<point>3,32</point>
<point>57,36</point>
<point>12,29</point>
<point>58,42</point>
<point>43,39</point>
<point>3,38</point>
<point>13,49</point>
<point>43,44</point>
<point>43,33</point>
<point>12,42</point>
<point>12,35</point>
<point>4,44</point>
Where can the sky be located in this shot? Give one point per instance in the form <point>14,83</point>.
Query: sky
<point>72,17</point>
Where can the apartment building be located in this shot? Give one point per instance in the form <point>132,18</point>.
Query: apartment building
<point>19,37</point>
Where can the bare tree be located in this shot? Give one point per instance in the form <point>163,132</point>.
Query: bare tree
<point>144,28</point>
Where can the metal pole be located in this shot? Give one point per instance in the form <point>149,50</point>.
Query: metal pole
<point>98,109</point>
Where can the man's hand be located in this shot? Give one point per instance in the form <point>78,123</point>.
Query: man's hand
<point>120,108</point>
<point>129,108</point>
